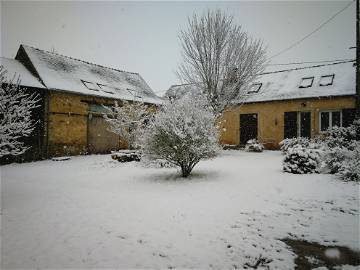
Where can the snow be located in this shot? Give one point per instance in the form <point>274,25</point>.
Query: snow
<point>93,212</point>
<point>64,73</point>
<point>178,90</point>
<point>285,84</point>
<point>14,67</point>
<point>332,253</point>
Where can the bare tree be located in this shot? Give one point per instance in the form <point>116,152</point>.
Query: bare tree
<point>16,106</point>
<point>219,57</point>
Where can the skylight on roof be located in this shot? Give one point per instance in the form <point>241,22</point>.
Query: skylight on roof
<point>306,82</point>
<point>254,88</point>
<point>105,88</point>
<point>90,85</point>
<point>326,80</point>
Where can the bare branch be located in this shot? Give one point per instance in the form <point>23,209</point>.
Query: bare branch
<point>220,58</point>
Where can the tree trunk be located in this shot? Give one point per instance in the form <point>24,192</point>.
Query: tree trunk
<point>185,170</point>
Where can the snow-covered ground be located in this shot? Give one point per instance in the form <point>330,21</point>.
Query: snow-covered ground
<point>92,212</point>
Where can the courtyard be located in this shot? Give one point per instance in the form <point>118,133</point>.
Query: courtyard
<point>94,212</point>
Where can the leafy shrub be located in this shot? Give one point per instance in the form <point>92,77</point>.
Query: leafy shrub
<point>254,146</point>
<point>301,160</point>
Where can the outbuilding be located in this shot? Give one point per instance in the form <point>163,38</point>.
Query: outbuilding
<point>72,94</point>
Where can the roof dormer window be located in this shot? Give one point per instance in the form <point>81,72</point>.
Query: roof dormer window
<point>90,85</point>
<point>306,82</point>
<point>327,80</point>
<point>254,88</point>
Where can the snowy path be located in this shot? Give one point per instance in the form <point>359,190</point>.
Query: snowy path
<point>91,212</point>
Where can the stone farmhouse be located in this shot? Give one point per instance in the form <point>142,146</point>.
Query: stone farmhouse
<point>297,102</point>
<point>72,94</point>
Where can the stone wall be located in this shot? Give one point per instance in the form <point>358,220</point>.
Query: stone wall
<point>271,117</point>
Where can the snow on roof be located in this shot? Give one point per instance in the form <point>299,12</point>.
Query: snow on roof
<point>284,84</point>
<point>16,68</point>
<point>64,73</point>
<point>179,90</point>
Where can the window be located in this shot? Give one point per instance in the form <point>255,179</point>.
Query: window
<point>105,88</point>
<point>297,124</point>
<point>330,119</point>
<point>134,93</point>
<point>254,88</point>
<point>101,86</point>
<point>90,85</point>
<point>326,80</point>
<point>306,82</point>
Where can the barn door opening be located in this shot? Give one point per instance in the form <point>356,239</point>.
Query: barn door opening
<point>100,139</point>
<point>248,127</point>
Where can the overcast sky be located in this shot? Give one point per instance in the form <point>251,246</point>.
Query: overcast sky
<point>143,36</point>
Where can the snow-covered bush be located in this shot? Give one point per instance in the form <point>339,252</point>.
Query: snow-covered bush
<point>341,147</point>
<point>183,132</point>
<point>16,120</point>
<point>300,142</point>
<point>334,158</point>
<point>341,136</point>
<point>301,160</point>
<point>127,120</point>
<point>126,156</point>
<point>350,167</point>
<point>254,146</point>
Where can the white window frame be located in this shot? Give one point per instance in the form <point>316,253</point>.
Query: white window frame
<point>330,118</point>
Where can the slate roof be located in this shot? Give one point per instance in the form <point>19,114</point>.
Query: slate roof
<point>59,72</point>
<point>16,68</point>
<point>284,84</point>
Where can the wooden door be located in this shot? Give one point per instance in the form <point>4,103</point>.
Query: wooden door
<point>100,139</point>
<point>248,127</point>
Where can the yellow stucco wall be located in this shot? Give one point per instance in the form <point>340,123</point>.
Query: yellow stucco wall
<point>67,123</point>
<point>271,117</point>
